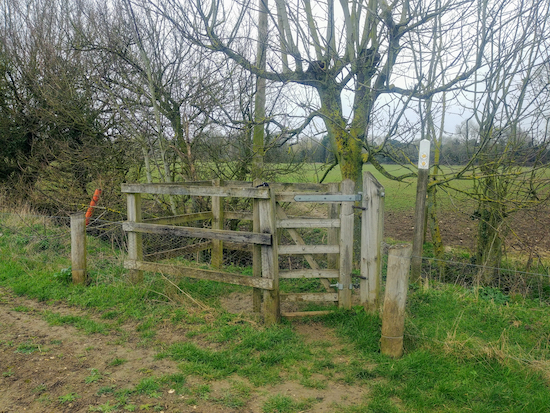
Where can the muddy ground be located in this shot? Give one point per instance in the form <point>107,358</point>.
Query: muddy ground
<point>60,369</point>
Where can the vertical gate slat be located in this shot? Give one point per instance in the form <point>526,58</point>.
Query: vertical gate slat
<point>217,223</point>
<point>372,234</point>
<point>270,259</point>
<point>256,252</point>
<point>135,244</point>
<point>346,246</point>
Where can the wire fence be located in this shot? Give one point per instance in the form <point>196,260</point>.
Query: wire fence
<point>41,233</point>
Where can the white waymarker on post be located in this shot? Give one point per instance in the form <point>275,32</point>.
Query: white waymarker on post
<point>420,209</point>
<point>424,154</point>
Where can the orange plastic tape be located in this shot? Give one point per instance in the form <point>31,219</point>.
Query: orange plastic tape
<point>93,203</point>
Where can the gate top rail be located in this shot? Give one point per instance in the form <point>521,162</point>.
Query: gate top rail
<point>181,188</point>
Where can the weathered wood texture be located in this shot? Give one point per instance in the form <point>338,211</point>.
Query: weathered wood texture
<point>78,248</point>
<point>305,314</point>
<point>241,215</point>
<point>419,222</point>
<point>191,272</point>
<point>346,245</point>
<point>135,244</point>
<point>180,219</point>
<point>309,274</point>
<point>217,224</point>
<point>179,189</point>
<point>393,317</point>
<point>270,265</point>
<point>290,196</point>
<point>257,294</point>
<point>372,235</point>
<point>308,223</point>
<point>308,249</point>
<point>333,236</point>
<point>178,252</point>
<point>297,238</point>
<point>315,297</point>
<point>192,232</point>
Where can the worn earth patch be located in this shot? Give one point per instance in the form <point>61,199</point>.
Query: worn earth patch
<point>58,368</point>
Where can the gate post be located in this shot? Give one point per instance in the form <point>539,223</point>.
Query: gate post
<point>256,252</point>
<point>270,259</point>
<point>135,244</point>
<point>333,236</point>
<point>346,246</point>
<point>217,223</point>
<point>372,235</point>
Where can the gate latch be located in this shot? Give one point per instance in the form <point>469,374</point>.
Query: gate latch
<point>338,285</point>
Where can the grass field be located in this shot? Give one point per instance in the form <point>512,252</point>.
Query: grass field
<point>400,195</point>
<point>114,347</point>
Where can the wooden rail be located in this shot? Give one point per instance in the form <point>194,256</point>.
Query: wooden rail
<point>268,219</point>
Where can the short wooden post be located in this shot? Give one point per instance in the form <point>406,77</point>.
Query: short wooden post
<point>346,246</point>
<point>135,244</point>
<point>420,209</point>
<point>217,223</point>
<point>270,260</point>
<point>256,253</point>
<point>333,233</point>
<point>78,248</point>
<point>397,284</point>
<point>372,235</point>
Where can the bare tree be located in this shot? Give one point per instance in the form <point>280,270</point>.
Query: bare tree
<point>348,50</point>
<point>508,105</point>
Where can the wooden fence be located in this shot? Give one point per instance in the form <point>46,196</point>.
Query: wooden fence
<point>269,221</point>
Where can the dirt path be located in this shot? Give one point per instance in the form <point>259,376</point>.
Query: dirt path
<point>49,368</point>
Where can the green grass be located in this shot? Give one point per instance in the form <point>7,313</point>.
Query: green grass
<point>285,404</point>
<point>465,349</point>
<point>255,354</point>
<point>461,353</point>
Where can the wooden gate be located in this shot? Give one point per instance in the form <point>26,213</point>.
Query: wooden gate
<point>269,220</point>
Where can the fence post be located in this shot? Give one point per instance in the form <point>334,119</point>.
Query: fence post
<point>217,223</point>
<point>256,252</point>
<point>372,235</point>
<point>333,233</point>
<point>397,284</point>
<point>346,246</point>
<point>135,244</point>
<point>420,209</point>
<point>270,259</point>
<point>78,248</point>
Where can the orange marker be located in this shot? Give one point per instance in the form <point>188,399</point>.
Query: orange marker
<point>93,203</point>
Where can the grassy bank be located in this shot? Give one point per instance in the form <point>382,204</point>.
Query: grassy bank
<point>464,351</point>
